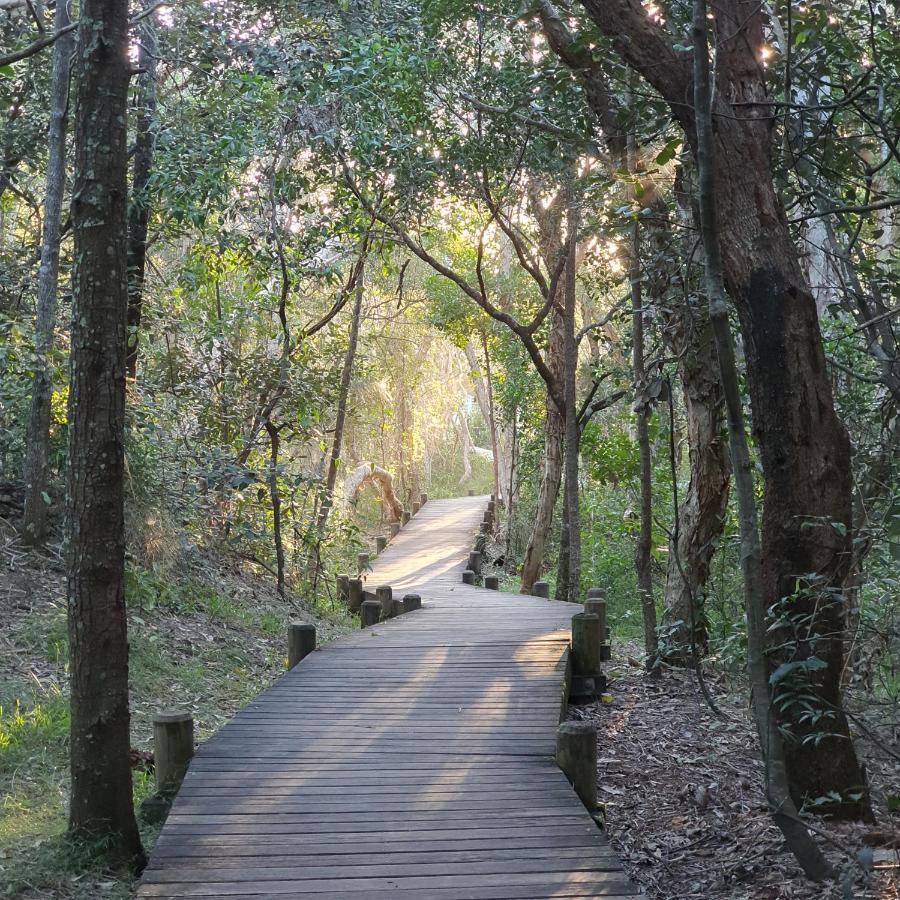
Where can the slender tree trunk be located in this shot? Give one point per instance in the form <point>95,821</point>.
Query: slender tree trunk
<point>139,207</point>
<point>551,464</point>
<point>569,578</point>
<point>689,337</point>
<point>38,429</point>
<point>275,498</point>
<point>101,792</point>
<point>343,394</point>
<point>642,550</point>
<point>492,422</point>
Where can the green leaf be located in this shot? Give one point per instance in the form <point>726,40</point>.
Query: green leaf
<point>668,152</point>
<point>7,71</point>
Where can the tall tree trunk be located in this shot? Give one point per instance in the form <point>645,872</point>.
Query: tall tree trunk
<point>551,463</point>
<point>803,446</point>
<point>492,421</point>
<point>38,428</point>
<point>568,580</point>
<point>689,337</point>
<point>101,792</point>
<point>343,394</point>
<point>644,545</point>
<point>139,207</point>
<point>771,743</point>
<point>275,499</point>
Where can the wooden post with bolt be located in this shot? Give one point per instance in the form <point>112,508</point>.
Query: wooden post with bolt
<point>380,543</point>
<point>173,749</point>
<point>576,755</point>
<point>385,596</point>
<point>540,589</point>
<point>369,613</point>
<point>412,602</point>
<point>301,642</point>
<point>354,594</point>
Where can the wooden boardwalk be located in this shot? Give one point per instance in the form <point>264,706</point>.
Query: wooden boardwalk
<point>410,761</point>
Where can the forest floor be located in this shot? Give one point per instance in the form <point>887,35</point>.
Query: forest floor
<point>684,804</point>
<point>204,637</point>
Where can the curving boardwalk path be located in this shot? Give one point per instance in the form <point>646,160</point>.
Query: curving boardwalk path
<point>410,761</point>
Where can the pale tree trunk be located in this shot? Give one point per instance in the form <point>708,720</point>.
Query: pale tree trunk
<point>688,335</point>
<point>38,428</point>
<point>644,545</point>
<point>551,463</point>
<point>778,794</point>
<point>139,207</point>
<point>101,788</point>
<point>343,394</point>
<point>568,580</point>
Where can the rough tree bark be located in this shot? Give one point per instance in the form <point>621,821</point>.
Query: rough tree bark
<point>139,207</point>
<point>804,448</point>
<point>38,429</point>
<point>778,793</point>
<point>367,473</point>
<point>568,579</point>
<point>101,792</point>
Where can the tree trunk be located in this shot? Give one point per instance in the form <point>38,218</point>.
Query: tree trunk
<point>139,207</point>
<point>551,463</point>
<point>778,794</point>
<point>101,798</point>
<point>804,448</point>
<point>568,580</point>
<point>343,394</point>
<point>38,429</point>
<point>689,337</point>
<point>644,546</point>
<point>492,422</point>
<point>275,499</point>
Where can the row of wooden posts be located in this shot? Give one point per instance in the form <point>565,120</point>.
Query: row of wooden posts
<point>576,751</point>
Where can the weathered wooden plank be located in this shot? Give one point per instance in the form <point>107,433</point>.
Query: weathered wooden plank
<point>409,761</point>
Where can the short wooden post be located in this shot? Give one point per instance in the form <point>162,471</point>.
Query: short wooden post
<point>412,602</point>
<point>488,519</point>
<point>471,493</point>
<point>586,641</point>
<point>576,755</point>
<point>492,582</point>
<point>395,529</point>
<point>380,543</point>
<point>598,607</point>
<point>423,499</point>
<point>415,507</point>
<point>354,594</point>
<point>385,596</point>
<point>475,562</point>
<point>173,748</point>
<point>468,577</point>
<point>540,589</point>
<point>404,518</point>
<point>491,507</point>
<point>362,562</point>
<point>597,593</point>
<point>369,613</point>
<point>301,642</point>
<point>343,588</point>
